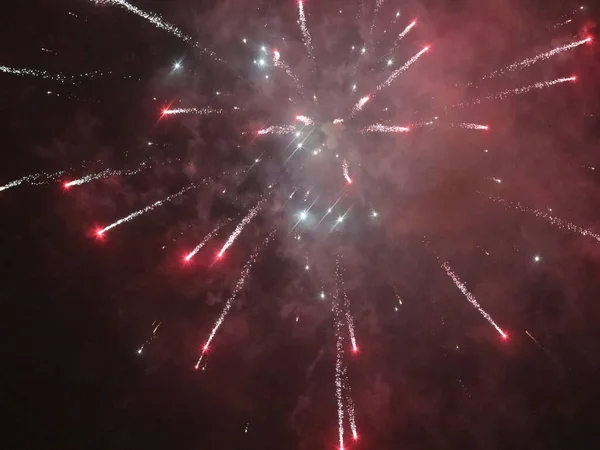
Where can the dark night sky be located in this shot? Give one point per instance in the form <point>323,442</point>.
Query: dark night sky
<point>432,375</point>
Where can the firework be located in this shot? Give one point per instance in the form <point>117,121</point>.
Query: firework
<point>208,237</point>
<point>336,121</point>
<point>556,221</point>
<point>245,221</point>
<point>305,34</point>
<point>277,129</point>
<point>397,72</point>
<point>379,128</point>
<point>105,174</point>
<point>199,111</point>
<point>541,57</point>
<point>305,120</point>
<point>345,172</point>
<point>236,290</point>
<point>158,22</point>
<point>517,91</point>
<point>463,288</point>
<point>132,216</point>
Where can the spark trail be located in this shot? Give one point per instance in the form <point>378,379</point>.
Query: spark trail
<point>463,288</point>
<point>305,34</point>
<point>397,72</point>
<point>199,111</point>
<point>345,171</point>
<point>556,221</point>
<point>276,129</point>
<point>31,178</point>
<point>517,91</point>
<point>305,120</point>
<point>245,221</point>
<point>132,216</point>
<point>379,128</point>
<point>339,368</point>
<point>541,57</point>
<point>277,62</point>
<point>346,304</point>
<point>105,174</point>
<point>208,237</point>
<point>236,290</point>
<point>359,105</point>
<point>158,22</point>
<point>60,77</point>
<point>401,35</point>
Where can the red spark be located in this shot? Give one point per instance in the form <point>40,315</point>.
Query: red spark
<point>504,336</point>
<point>66,186</point>
<point>355,349</point>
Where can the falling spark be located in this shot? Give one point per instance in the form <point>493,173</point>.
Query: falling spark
<point>556,221</point>
<point>245,221</point>
<point>236,290</point>
<point>208,237</point>
<point>305,34</point>
<point>199,111</point>
<point>541,57</point>
<point>379,128</point>
<point>105,174</point>
<point>359,105</point>
<point>345,171</point>
<point>336,121</point>
<point>275,129</point>
<point>463,288</point>
<point>132,216</point>
<point>397,72</point>
<point>305,120</point>
<point>517,91</point>
<point>158,22</point>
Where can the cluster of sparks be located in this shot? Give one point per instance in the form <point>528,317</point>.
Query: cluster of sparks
<point>341,307</point>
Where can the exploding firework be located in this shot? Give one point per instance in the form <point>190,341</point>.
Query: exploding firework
<point>302,176</point>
